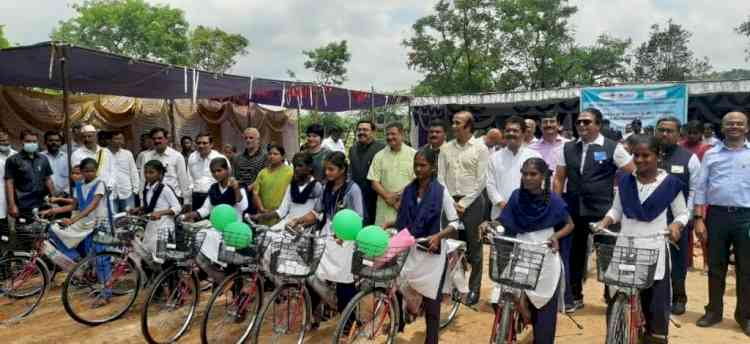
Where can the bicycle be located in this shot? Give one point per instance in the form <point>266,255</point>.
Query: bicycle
<point>235,304</point>
<point>292,257</point>
<point>374,313</point>
<point>456,273</point>
<point>630,269</point>
<point>84,295</point>
<point>173,299</point>
<point>516,266</point>
<point>24,276</point>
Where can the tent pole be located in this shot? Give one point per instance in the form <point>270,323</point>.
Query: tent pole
<point>66,110</point>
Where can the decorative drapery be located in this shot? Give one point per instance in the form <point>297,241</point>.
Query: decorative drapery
<point>38,111</point>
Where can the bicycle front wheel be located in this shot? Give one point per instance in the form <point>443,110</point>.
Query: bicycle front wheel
<point>449,308</point>
<point>232,310</point>
<point>170,306</point>
<point>285,316</point>
<point>370,317</point>
<point>22,286</point>
<point>618,325</point>
<point>101,288</point>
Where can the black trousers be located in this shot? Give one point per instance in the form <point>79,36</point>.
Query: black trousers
<point>728,228</point>
<point>679,266</point>
<point>473,217</point>
<point>544,319</point>
<point>578,254</point>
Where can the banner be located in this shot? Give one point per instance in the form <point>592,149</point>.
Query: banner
<point>649,103</point>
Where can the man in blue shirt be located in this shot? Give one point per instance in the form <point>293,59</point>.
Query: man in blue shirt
<point>724,186</point>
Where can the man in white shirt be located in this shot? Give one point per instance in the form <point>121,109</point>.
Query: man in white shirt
<point>58,160</point>
<point>146,145</point>
<point>199,167</point>
<point>103,156</point>
<point>504,170</point>
<point>76,138</point>
<point>127,181</point>
<point>494,140</point>
<point>5,152</point>
<point>462,168</point>
<point>636,128</point>
<point>529,136</point>
<point>176,176</point>
<point>333,142</point>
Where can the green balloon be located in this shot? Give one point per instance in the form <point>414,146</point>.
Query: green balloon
<point>238,235</point>
<point>222,215</point>
<point>373,241</point>
<point>346,224</point>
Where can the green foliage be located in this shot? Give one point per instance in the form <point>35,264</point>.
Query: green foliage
<point>732,74</point>
<point>665,56</point>
<point>215,50</point>
<point>470,46</point>
<point>160,33</point>
<point>3,41</point>
<point>744,29</point>
<point>329,62</point>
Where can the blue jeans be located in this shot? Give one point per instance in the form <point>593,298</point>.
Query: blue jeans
<point>103,264</point>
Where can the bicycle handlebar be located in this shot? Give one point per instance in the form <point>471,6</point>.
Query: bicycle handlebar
<point>598,230</point>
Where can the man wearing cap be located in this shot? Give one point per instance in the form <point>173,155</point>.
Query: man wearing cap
<point>91,149</point>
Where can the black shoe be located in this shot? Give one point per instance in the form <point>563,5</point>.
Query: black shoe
<point>678,308</point>
<point>472,299</point>
<point>709,319</point>
<point>570,308</point>
<point>746,327</point>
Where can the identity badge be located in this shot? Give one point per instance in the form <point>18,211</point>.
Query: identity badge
<point>600,156</point>
<point>678,169</point>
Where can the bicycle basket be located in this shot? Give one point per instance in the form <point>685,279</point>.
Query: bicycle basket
<point>627,267</point>
<point>296,256</point>
<point>25,236</point>
<point>515,265</point>
<point>380,269</point>
<point>178,244</point>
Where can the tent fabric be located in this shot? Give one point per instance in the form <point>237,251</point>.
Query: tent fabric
<point>38,111</point>
<point>96,72</point>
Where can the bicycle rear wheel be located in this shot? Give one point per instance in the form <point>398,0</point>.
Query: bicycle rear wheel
<point>285,316</point>
<point>22,286</point>
<point>449,310</point>
<point>101,288</point>
<point>232,310</point>
<point>370,317</point>
<point>170,306</point>
<point>618,324</point>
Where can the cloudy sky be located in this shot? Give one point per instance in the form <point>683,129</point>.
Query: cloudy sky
<point>280,29</point>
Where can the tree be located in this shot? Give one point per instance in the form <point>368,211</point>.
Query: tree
<point>3,41</point>
<point>503,45</point>
<point>159,33</point>
<point>329,62</point>
<point>667,57</point>
<point>215,50</point>
<point>732,74</point>
<point>455,48</point>
<point>744,29</point>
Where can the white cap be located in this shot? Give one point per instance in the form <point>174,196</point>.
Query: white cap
<point>88,128</point>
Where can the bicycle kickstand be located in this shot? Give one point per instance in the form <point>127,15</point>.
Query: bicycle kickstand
<point>570,316</point>
<point>675,323</point>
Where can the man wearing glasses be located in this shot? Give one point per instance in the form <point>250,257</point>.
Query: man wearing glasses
<point>199,163</point>
<point>684,165</point>
<point>588,165</point>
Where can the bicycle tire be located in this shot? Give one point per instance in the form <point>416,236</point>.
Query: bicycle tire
<point>455,306</point>
<point>167,279</point>
<point>505,323</point>
<point>278,294</point>
<point>618,324</point>
<point>75,280</point>
<point>229,282</point>
<point>36,293</point>
<point>351,307</point>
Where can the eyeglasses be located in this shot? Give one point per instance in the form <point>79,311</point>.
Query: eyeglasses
<point>584,122</point>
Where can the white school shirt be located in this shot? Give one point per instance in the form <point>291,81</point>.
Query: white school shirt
<point>106,172</point>
<point>200,171</point>
<point>100,213</point>
<point>659,224</point>
<point>240,206</point>
<point>291,210</point>
<point>176,175</point>
<point>126,174</point>
<point>3,201</point>
<point>504,175</point>
<point>167,200</point>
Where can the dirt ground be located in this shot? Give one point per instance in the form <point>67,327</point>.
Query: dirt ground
<point>50,323</point>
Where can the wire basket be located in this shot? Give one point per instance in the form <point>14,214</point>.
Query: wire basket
<point>515,265</point>
<point>26,235</point>
<point>296,256</point>
<point>178,244</point>
<point>246,257</point>
<point>627,267</point>
<point>380,269</point>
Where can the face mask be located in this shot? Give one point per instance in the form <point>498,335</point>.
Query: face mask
<point>30,147</point>
<point>4,148</point>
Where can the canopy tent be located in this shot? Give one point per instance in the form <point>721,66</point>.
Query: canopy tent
<point>708,101</point>
<point>97,72</point>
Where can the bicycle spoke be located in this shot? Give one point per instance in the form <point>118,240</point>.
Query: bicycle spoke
<point>22,287</point>
<point>171,307</point>
<point>232,311</point>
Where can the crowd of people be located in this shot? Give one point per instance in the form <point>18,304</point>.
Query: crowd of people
<point>678,176</point>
